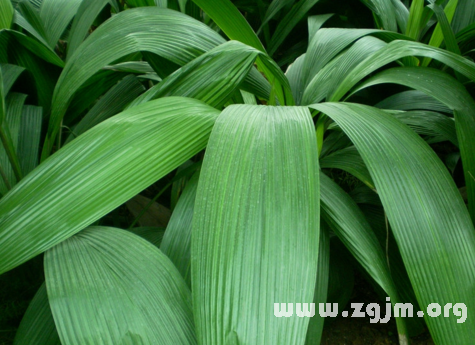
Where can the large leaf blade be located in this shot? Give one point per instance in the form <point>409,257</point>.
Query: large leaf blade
<point>109,286</point>
<point>119,157</point>
<point>250,248</point>
<point>427,214</point>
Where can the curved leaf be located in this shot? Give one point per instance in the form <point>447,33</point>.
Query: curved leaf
<point>99,171</point>
<point>450,92</point>
<point>429,219</point>
<point>164,32</point>
<point>109,286</point>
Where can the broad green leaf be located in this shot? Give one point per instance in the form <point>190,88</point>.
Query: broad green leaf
<point>6,14</point>
<point>428,217</point>
<point>176,243</point>
<point>314,24</point>
<point>250,248</point>
<point>450,92</point>
<point>37,325</point>
<point>137,67</point>
<point>114,101</point>
<point>109,286</point>
<point>295,77</point>
<point>164,32</point>
<point>56,16</point>
<point>119,157</point>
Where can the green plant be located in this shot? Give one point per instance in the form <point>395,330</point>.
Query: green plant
<point>129,96</point>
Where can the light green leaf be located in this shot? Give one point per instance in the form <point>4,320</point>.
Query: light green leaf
<point>443,30</point>
<point>414,23</point>
<point>6,14</point>
<point>331,75</point>
<point>250,248</point>
<point>119,157</point>
<point>235,26</point>
<point>427,214</point>
<point>109,286</point>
